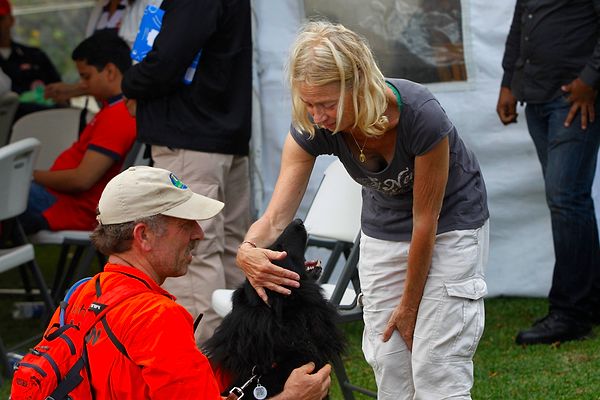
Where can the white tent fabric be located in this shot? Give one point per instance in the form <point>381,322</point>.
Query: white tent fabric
<point>521,253</point>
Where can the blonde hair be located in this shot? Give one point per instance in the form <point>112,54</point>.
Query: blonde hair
<point>326,53</point>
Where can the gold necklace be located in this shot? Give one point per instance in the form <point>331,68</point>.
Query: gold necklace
<point>361,157</point>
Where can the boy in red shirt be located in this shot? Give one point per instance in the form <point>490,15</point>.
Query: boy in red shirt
<point>65,197</point>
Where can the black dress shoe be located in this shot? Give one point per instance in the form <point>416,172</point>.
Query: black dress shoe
<point>554,327</point>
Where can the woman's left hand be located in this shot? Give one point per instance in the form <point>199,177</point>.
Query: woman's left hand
<point>431,176</point>
<point>403,320</point>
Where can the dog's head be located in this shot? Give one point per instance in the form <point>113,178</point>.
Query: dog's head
<point>293,241</point>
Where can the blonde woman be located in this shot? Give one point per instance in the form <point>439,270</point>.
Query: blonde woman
<point>424,238</point>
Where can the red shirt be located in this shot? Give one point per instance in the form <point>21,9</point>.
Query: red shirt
<point>111,132</point>
<point>157,334</point>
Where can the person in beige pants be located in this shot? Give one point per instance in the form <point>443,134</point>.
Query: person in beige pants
<point>222,177</point>
<point>192,97</point>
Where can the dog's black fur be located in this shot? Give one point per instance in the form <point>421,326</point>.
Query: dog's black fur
<point>273,340</point>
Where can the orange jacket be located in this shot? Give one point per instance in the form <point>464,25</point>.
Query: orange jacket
<point>156,332</point>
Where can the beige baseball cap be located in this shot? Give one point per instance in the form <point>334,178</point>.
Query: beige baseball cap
<point>142,191</point>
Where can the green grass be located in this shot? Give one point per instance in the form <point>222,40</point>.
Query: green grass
<point>503,370</point>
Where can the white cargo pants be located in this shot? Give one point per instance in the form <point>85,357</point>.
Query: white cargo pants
<point>450,319</point>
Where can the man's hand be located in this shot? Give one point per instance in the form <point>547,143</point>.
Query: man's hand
<point>302,384</point>
<point>582,98</point>
<point>131,105</point>
<point>507,106</point>
<point>62,92</point>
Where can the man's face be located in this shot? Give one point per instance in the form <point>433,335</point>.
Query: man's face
<point>172,250</point>
<point>95,82</point>
<point>6,23</point>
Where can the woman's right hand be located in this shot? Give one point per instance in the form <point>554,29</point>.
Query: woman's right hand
<point>256,262</point>
<point>262,273</point>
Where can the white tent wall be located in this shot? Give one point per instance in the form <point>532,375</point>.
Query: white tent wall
<point>521,253</point>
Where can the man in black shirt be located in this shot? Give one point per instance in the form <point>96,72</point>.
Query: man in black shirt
<point>27,67</point>
<point>552,63</point>
<point>198,124</point>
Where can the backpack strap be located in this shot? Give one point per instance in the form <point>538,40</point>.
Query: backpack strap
<point>65,303</point>
<point>109,332</point>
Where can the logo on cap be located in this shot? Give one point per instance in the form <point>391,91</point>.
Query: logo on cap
<point>176,182</point>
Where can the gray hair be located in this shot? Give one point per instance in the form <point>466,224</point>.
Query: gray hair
<point>117,238</point>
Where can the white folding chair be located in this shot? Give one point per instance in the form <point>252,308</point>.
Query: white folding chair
<point>332,222</point>
<point>57,129</point>
<point>16,166</point>
<point>8,106</point>
<point>333,218</point>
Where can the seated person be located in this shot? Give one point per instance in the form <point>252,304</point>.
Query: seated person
<point>65,197</point>
<point>29,68</point>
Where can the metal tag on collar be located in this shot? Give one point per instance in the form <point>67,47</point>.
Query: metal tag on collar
<point>260,392</point>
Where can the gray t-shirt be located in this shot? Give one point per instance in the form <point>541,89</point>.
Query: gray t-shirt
<point>388,194</point>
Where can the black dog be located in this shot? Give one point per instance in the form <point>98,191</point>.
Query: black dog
<point>271,340</point>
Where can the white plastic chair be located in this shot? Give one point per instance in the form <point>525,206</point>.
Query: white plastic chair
<point>333,218</point>
<point>332,222</point>
<point>8,106</point>
<point>335,210</point>
<point>56,129</point>
<point>16,166</point>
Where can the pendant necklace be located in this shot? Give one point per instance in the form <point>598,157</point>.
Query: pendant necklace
<point>361,157</point>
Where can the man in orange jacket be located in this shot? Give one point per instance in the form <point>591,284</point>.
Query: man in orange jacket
<point>146,349</point>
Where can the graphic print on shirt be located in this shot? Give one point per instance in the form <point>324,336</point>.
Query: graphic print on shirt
<point>403,183</point>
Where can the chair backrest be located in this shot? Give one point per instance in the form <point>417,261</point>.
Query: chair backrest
<point>8,106</point>
<point>16,165</point>
<point>56,129</point>
<point>135,156</point>
<point>335,210</point>
<point>333,223</point>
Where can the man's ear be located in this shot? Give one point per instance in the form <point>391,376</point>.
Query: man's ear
<point>113,72</point>
<point>142,236</point>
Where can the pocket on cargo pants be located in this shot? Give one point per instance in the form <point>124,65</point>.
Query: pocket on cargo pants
<point>460,320</point>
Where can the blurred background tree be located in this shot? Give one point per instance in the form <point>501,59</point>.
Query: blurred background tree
<point>55,26</point>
